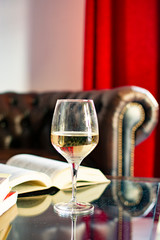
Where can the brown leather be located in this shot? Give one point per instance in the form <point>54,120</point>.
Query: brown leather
<point>25,122</point>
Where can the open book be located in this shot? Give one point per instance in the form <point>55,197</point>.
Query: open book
<point>30,173</point>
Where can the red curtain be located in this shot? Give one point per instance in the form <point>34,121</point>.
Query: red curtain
<point>121,48</point>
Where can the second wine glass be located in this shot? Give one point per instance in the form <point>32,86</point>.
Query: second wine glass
<point>74,134</point>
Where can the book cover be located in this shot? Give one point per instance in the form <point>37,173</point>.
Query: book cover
<point>8,202</point>
<point>4,185</point>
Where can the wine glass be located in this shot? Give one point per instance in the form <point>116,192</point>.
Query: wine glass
<point>74,134</point>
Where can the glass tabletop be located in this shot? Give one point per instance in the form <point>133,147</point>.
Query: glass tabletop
<point>123,209</point>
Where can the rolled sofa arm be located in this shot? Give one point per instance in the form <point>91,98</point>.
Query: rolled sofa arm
<point>134,115</point>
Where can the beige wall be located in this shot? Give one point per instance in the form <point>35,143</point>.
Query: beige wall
<point>41,45</point>
<point>13,45</point>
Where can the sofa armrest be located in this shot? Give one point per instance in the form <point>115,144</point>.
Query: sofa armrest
<point>131,116</point>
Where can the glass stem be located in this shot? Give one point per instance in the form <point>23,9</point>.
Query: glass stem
<point>74,170</point>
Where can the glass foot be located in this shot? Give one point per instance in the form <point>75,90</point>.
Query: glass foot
<point>73,208</point>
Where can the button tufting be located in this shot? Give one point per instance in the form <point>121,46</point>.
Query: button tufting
<point>35,101</point>
<point>13,101</point>
<point>3,123</point>
<point>25,122</point>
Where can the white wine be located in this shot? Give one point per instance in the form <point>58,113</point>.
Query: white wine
<point>74,146</point>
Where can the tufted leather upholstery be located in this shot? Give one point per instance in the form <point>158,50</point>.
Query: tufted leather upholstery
<point>126,115</point>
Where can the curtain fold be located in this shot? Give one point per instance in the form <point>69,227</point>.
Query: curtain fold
<point>121,48</point>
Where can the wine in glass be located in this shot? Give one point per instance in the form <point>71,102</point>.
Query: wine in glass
<point>74,134</point>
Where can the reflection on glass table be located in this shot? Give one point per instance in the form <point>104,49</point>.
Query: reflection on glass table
<point>124,209</point>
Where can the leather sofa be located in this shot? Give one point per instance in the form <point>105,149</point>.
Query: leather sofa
<point>127,115</point>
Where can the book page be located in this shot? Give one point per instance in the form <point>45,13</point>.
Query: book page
<point>86,176</point>
<point>8,217</point>
<point>28,161</point>
<point>20,175</point>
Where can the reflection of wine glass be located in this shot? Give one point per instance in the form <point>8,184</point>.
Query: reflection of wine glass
<point>73,229</point>
<point>74,134</point>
